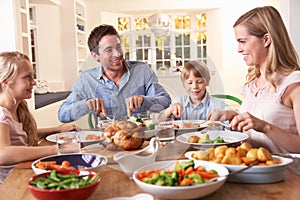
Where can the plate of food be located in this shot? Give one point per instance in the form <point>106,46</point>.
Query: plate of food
<point>190,124</point>
<point>85,136</point>
<point>269,168</point>
<point>200,140</point>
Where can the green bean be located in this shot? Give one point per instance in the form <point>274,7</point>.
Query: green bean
<point>57,181</point>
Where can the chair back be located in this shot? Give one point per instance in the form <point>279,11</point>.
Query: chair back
<point>235,102</point>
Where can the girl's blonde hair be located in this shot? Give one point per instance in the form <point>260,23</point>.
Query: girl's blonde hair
<point>282,56</point>
<point>9,69</point>
<point>198,68</point>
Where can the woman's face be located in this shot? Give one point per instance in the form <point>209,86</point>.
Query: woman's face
<point>195,88</point>
<point>22,87</point>
<point>253,49</point>
<point>110,53</point>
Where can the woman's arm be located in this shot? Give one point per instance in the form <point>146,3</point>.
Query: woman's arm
<point>290,142</point>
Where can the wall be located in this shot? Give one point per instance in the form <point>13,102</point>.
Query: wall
<point>49,46</point>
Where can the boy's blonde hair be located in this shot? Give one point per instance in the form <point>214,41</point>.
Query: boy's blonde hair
<point>198,68</point>
<point>9,69</point>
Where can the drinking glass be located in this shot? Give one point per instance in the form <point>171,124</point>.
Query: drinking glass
<point>105,121</point>
<point>164,131</point>
<point>68,142</point>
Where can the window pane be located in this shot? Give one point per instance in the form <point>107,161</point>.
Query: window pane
<point>141,23</point>
<point>139,41</point>
<point>204,52</point>
<point>178,39</point>
<point>179,51</point>
<point>139,54</point>
<point>199,52</point>
<point>147,40</point>
<point>123,24</point>
<point>187,53</point>
<point>186,38</point>
<point>182,22</point>
<point>201,20</point>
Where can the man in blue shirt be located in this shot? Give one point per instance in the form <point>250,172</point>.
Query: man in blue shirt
<point>117,87</point>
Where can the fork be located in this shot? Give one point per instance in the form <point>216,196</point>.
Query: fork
<point>218,122</point>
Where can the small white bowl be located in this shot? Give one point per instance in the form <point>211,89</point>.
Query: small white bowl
<point>182,192</point>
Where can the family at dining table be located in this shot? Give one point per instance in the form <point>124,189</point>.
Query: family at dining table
<point>269,114</point>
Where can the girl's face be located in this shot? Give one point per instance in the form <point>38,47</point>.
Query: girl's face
<point>22,87</point>
<point>195,88</point>
<point>252,48</point>
<point>110,53</point>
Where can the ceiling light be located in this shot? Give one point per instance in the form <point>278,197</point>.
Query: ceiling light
<point>159,24</point>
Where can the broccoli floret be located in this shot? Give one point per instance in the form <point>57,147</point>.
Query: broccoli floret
<point>185,165</point>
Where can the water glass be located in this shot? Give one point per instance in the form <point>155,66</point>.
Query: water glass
<point>164,132</point>
<point>105,121</point>
<point>68,142</point>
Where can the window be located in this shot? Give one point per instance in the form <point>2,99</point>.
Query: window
<point>185,41</point>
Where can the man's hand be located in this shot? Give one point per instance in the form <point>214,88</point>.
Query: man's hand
<point>133,102</point>
<point>96,105</point>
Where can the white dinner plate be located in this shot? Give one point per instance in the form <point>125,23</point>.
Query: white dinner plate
<point>190,125</point>
<point>255,174</point>
<point>231,138</point>
<point>82,135</point>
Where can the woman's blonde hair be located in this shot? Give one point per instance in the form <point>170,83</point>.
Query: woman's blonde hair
<point>198,68</point>
<point>282,56</point>
<point>9,69</point>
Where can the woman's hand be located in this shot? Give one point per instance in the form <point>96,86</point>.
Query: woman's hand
<point>246,121</point>
<point>221,115</point>
<point>67,128</point>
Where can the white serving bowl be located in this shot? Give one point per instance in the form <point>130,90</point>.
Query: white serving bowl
<point>182,192</point>
<point>260,174</point>
<point>255,174</point>
<point>78,160</point>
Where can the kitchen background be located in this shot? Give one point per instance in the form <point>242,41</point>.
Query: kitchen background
<point>54,34</point>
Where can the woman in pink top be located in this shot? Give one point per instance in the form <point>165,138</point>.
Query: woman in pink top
<point>18,130</point>
<point>270,112</point>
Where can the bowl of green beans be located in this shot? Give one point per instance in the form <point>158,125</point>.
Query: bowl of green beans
<point>64,184</point>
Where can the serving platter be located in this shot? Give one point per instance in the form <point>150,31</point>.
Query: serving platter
<point>255,174</point>
<point>82,135</point>
<point>231,138</point>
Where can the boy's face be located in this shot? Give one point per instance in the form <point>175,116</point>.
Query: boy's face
<point>195,87</point>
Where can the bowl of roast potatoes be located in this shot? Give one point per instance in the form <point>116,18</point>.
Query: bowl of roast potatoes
<point>268,168</point>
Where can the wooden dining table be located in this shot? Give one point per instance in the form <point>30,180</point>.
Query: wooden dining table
<point>115,183</point>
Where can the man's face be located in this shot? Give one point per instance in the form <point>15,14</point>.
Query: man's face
<point>110,53</point>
